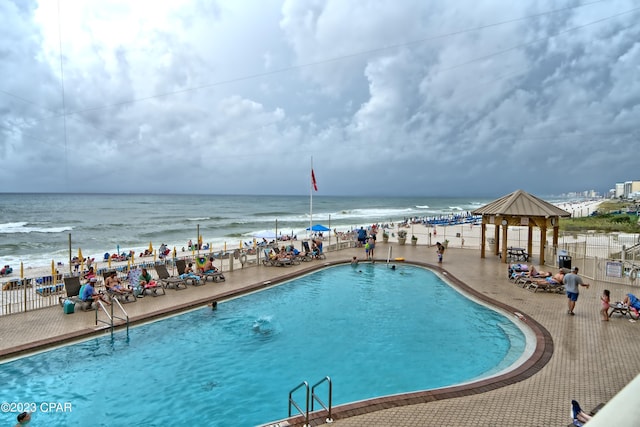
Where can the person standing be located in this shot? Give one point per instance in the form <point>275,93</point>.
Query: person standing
<point>372,245</point>
<point>572,283</point>
<point>606,300</point>
<point>439,251</point>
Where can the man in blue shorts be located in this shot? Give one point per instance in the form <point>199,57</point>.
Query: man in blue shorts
<point>572,283</point>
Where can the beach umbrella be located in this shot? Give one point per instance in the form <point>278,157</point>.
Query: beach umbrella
<point>318,227</point>
<point>150,248</point>
<point>21,271</point>
<point>53,273</point>
<point>154,255</point>
<point>109,262</point>
<point>81,259</point>
<point>269,235</point>
<point>175,252</point>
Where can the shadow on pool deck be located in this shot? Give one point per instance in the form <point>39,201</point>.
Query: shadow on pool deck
<point>577,356</point>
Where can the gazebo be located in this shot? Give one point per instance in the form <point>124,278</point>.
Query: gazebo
<point>520,209</point>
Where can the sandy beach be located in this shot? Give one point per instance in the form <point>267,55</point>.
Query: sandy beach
<point>463,236</point>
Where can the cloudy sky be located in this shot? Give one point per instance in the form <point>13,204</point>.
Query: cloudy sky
<point>387,97</point>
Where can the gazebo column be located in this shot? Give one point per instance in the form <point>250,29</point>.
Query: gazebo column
<point>543,239</point>
<point>496,236</point>
<point>483,235</point>
<point>529,239</point>
<point>504,241</point>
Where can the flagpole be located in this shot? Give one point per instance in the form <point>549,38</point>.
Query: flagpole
<point>311,198</point>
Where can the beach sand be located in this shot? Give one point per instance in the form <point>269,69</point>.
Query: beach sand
<point>463,236</point>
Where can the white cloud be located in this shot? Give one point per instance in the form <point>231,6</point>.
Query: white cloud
<point>389,98</point>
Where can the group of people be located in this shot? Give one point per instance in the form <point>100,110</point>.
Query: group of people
<point>572,283</point>
<point>76,262</point>
<point>6,270</point>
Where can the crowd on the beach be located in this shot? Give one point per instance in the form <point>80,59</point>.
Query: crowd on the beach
<point>450,219</point>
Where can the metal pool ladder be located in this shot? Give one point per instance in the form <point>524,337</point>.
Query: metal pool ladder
<point>311,398</point>
<point>112,316</point>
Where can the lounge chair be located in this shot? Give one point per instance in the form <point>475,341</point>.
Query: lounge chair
<point>308,253</point>
<point>189,278</point>
<point>632,309</point>
<point>133,277</point>
<point>168,281</point>
<point>268,259</point>
<point>74,292</point>
<point>548,284</point>
<point>45,291</point>
<point>127,295</point>
<point>272,259</point>
<point>319,254</point>
<point>214,275</point>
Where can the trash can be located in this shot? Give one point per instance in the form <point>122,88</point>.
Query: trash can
<point>564,261</point>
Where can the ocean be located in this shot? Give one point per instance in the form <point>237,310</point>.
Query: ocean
<point>35,228</point>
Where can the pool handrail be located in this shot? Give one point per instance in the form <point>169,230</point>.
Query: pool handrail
<point>110,323</point>
<point>305,414</point>
<point>315,397</point>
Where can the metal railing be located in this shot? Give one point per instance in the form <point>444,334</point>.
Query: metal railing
<point>305,412</point>
<point>32,293</point>
<point>314,398</point>
<point>110,315</point>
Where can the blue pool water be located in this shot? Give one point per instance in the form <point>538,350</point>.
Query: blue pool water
<point>373,330</point>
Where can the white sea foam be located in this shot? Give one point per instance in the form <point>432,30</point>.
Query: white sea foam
<point>22,227</point>
<point>422,206</point>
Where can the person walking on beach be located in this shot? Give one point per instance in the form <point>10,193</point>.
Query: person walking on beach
<point>572,283</point>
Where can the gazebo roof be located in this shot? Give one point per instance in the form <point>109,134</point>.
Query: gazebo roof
<point>521,203</point>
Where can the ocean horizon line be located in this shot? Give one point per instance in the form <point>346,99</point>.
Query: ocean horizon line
<point>315,194</point>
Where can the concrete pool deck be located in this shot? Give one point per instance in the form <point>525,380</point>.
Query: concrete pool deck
<point>582,357</point>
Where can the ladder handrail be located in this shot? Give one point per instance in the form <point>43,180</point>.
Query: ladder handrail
<point>112,316</point>
<point>305,414</point>
<point>314,397</point>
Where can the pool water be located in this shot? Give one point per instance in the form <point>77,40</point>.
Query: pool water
<point>373,330</point>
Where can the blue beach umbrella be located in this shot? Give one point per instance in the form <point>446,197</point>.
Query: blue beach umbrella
<point>318,227</point>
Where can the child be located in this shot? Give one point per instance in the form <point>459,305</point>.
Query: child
<point>605,298</point>
<point>439,251</point>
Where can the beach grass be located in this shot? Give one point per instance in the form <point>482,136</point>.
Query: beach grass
<point>607,223</point>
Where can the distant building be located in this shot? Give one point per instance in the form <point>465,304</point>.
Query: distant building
<point>631,189</point>
<point>619,191</point>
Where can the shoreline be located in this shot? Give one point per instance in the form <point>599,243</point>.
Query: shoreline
<point>459,235</point>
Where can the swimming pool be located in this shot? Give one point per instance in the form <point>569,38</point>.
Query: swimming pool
<point>373,330</point>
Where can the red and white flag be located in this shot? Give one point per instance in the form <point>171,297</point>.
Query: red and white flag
<point>313,180</point>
